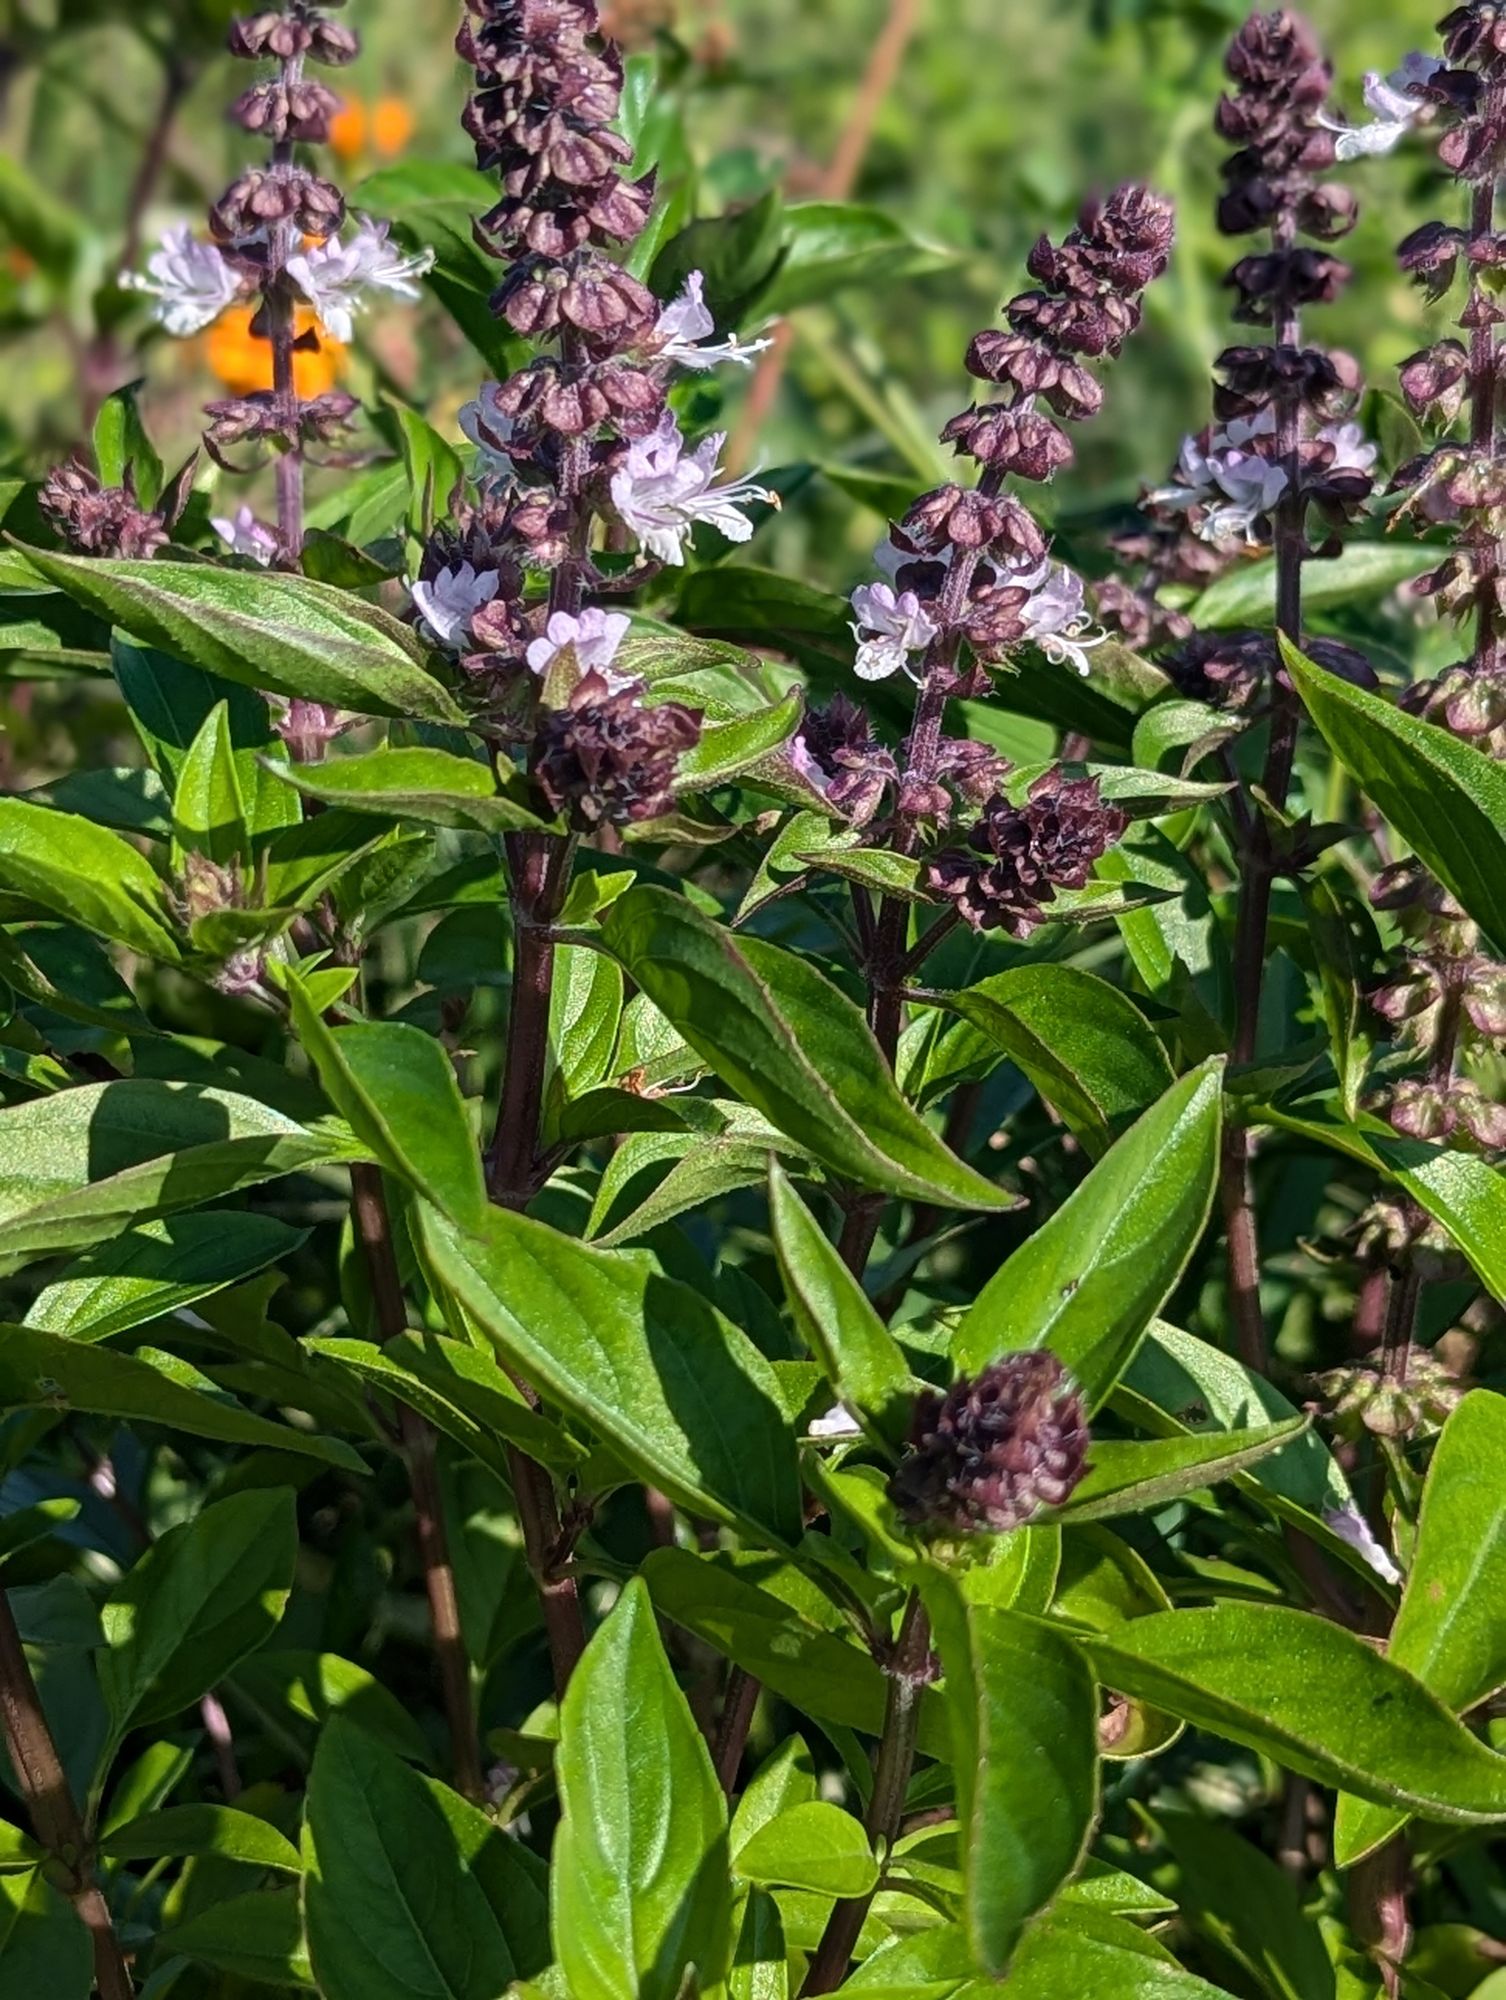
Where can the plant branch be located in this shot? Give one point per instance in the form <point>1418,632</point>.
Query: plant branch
<point>373,1226</point>
<point>891,1781</point>
<point>54,1815</point>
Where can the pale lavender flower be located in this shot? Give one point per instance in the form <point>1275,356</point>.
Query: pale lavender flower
<point>595,636</point>
<point>336,277</point>
<point>448,602</point>
<point>1353,451</point>
<point>888,629</point>
<point>1397,103</point>
<point>244,535</point>
<point>489,431</point>
<point>683,328</point>
<point>1232,484</point>
<point>1350,1525</point>
<point>189,282</point>
<point>1056,615</point>
<point>660,491</point>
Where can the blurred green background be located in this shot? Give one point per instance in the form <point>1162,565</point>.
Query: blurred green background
<point>1001,116</point>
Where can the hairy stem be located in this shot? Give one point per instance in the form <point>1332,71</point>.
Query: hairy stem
<point>739,1700</point>
<point>54,1815</point>
<point>1258,873</point>
<point>1484,366</point>
<point>373,1226</point>
<point>891,1781</point>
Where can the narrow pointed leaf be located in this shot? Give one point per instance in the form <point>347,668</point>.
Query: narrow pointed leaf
<point>1450,1630</point>
<point>1127,1478</point>
<point>430,787</point>
<point>864,1362</point>
<point>640,1888</point>
<point>645,1363</point>
<point>1447,798</point>
<point>1090,1280</point>
<point>1024,1715</point>
<point>86,873</point>
<point>1314,1697</point>
<point>791,1045</point>
<point>266,629</point>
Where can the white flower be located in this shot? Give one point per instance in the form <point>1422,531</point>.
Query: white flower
<point>898,625</point>
<point>838,1423</point>
<point>1350,1525</point>
<point>449,601</point>
<point>660,491</point>
<point>1397,105</point>
<point>190,282</point>
<point>1056,615</point>
<point>244,535</point>
<point>335,277</point>
<point>489,431</point>
<point>682,328</point>
<point>595,635</point>
<point>1232,484</point>
<point>1353,451</point>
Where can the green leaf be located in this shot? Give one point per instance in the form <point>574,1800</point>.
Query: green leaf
<point>300,1689</point>
<point>1249,1906</point>
<point>44,1947</point>
<point>1024,1715</point>
<point>209,811</point>
<point>170,703</point>
<point>1246,594</point>
<point>816,1671</point>
<point>121,444</point>
<point>46,1371</point>
<point>157,1268</point>
<point>431,787</point>
<point>1341,929</point>
<point>29,1525</point>
<point>736,254</point>
<point>1177,1384</point>
<point>726,750</point>
<point>86,873</point>
<point>395,1087</point>
<point>76,1166</point>
<point>1093,1956</point>
<point>639,1891</point>
<point>1311,1695</point>
<point>811,1846</point>
<point>863,1361</point>
<point>1090,1280</point>
<point>791,1045</point>
<point>39,221</point>
<point>1129,1478</point>
<point>434,469</point>
<point>1448,799</point>
<point>201,1598</point>
<point>1086,1047</point>
<point>1467,1195</point>
<point>264,628</point>
<point>643,1362</point>
<point>760,1963</point>
<point>1450,1630</point>
<point>257,1936</point>
<point>461,1391</point>
<point>785,1778</point>
<point>830,245</point>
<point>202,1829</point>
<point>393,1903</point>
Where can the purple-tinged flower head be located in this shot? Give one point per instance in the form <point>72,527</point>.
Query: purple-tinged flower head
<point>837,753</point>
<point>892,630</point>
<point>110,520</point>
<point>995,1450</point>
<point>606,756</point>
<point>1018,856</point>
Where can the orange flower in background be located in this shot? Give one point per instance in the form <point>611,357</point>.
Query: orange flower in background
<point>383,128</point>
<point>243,361</point>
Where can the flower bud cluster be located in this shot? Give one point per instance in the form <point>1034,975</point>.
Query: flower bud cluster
<point>968,576</point>
<point>995,1450</point>
<point>1283,439</point>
